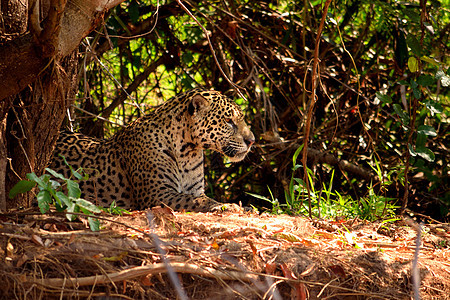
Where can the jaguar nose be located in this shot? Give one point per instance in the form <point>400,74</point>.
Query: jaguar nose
<point>250,140</point>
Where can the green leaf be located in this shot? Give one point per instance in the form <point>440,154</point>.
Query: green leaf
<point>425,80</point>
<point>89,206</point>
<point>80,174</point>
<point>71,217</point>
<point>401,113</point>
<point>94,224</point>
<point>427,130</point>
<point>44,200</point>
<point>383,98</point>
<point>434,107</point>
<point>259,196</point>
<point>63,198</point>
<point>54,184</point>
<point>59,206</point>
<point>115,210</point>
<point>33,177</point>
<point>42,181</point>
<point>425,153</point>
<point>297,152</point>
<point>420,140</point>
<point>417,93</point>
<point>413,64</point>
<point>73,172</point>
<point>73,189</point>
<point>411,150</point>
<point>430,60</point>
<point>300,182</point>
<point>414,44</point>
<point>70,206</point>
<point>38,180</point>
<point>419,163</point>
<point>55,174</point>
<point>21,187</point>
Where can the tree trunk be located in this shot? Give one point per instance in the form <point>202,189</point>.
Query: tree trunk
<point>33,123</point>
<point>38,70</point>
<point>13,23</point>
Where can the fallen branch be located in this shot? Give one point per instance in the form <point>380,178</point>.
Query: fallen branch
<point>143,271</point>
<point>327,158</point>
<point>324,157</point>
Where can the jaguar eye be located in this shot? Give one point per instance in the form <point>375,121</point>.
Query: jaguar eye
<point>230,122</point>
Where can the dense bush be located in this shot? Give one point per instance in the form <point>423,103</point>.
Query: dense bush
<point>381,100</point>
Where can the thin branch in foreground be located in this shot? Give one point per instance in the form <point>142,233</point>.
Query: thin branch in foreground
<point>97,116</point>
<point>135,272</point>
<point>236,87</point>
<point>171,272</point>
<point>312,102</point>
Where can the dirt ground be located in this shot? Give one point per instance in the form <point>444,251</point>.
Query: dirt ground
<point>170,255</point>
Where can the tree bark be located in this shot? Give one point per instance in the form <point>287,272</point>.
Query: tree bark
<point>38,70</point>
<point>3,153</point>
<point>33,123</point>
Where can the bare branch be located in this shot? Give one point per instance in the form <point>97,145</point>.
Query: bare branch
<point>143,271</point>
<point>313,99</point>
<point>132,87</point>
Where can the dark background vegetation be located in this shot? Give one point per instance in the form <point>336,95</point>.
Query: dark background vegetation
<point>381,100</point>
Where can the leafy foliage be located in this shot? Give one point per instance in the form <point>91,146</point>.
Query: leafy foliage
<point>328,202</point>
<point>51,192</point>
<point>382,97</point>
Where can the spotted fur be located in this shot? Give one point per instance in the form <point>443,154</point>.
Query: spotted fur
<point>158,159</point>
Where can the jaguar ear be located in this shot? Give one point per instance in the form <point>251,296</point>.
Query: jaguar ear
<point>198,104</point>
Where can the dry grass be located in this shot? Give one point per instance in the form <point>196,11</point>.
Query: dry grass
<point>212,256</point>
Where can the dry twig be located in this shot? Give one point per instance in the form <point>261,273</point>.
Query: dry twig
<point>135,272</point>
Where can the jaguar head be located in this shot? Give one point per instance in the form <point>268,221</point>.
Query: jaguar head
<point>220,125</point>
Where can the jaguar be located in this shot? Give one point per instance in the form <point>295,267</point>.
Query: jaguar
<point>159,158</point>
